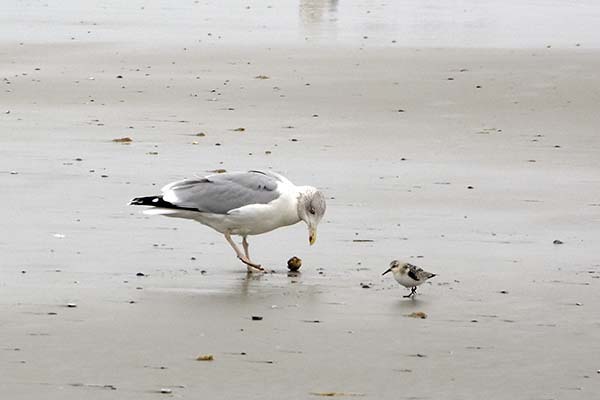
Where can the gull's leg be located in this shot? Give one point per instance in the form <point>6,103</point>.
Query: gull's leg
<point>240,255</point>
<point>246,251</point>
<point>246,247</point>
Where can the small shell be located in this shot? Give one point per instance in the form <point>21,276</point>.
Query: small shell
<point>294,264</point>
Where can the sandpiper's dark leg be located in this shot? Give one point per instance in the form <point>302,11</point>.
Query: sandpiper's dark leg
<point>413,291</point>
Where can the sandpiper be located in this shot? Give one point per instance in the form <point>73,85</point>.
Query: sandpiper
<point>408,275</point>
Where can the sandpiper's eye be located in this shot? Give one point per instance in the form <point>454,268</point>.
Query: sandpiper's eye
<point>312,211</point>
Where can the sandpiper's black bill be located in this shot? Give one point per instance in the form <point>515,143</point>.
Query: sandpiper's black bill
<point>389,269</point>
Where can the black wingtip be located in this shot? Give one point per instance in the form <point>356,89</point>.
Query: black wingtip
<point>157,201</point>
<point>145,201</point>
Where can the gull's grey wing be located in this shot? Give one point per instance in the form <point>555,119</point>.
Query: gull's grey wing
<point>221,193</point>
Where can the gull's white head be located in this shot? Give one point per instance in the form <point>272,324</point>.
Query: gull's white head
<point>311,208</point>
<point>397,268</point>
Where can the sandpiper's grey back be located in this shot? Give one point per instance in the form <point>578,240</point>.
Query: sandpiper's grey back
<point>421,274</point>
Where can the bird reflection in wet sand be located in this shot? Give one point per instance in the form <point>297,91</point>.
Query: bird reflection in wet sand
<point>313,12</point>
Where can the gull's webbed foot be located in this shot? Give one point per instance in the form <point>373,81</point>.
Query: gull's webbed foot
<point>251,266</point>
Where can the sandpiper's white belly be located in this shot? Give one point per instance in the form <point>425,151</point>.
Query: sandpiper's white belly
<point>407,281</point>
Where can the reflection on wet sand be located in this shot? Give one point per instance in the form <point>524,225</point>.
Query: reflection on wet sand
<point>318,16</point>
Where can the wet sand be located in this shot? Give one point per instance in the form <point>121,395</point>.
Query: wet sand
<point>469,162</point>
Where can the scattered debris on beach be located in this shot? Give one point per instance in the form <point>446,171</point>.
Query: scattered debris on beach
<point>124,140</point>
<point>205,357</point>
<point>417,314</point>
<point>336,394</point>
<point>94,385</point>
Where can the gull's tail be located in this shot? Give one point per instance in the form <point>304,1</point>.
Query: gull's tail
<point>160,205</point>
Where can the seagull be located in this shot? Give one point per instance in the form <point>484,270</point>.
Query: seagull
<point>408,275</point>
<point>240,203</point>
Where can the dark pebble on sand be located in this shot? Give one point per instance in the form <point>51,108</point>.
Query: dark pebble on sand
<point>140,274</point>
<point>256,318</point>
<point>558,242</point>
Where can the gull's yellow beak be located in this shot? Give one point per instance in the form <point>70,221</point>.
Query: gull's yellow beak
<point>312,235</point>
